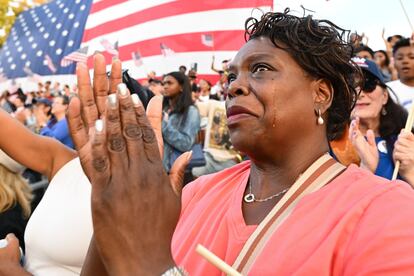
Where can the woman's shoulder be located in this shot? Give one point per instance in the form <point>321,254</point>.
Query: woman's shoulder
<point>359,187</point>
<point>193,109</point>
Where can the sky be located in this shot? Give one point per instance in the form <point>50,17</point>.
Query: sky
<point>364,16</point>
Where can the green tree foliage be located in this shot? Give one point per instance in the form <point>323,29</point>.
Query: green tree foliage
<point>9,10</point>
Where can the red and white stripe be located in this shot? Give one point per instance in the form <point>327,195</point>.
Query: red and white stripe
<point>144,25</point>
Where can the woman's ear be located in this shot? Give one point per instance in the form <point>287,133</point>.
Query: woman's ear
<point>386,95</point>
<point>323,93</point>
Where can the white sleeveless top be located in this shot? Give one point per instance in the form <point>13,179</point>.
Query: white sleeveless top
<point>59,231</point>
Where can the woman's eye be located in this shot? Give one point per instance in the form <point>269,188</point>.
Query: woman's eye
<point>231,77</point>
<point>260,68</point>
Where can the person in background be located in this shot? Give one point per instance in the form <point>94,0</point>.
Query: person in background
<point>364,51</point>
<point>218,91</point>
<point>387,68</point>
<point>155,86</point>
<point>42,112</point>
<point>47,93</point>
<point>66,90</point>
<point>181,120</point>
<point>21,113</point>
<point>192,76</point>
<point>403,54</point>
<point>58,129</point>
<point>5,103</point>
<point>204,87</point>
<point>224,65</point>
<point>375,131</point>
<point>182,69</point>
<point>55,89</point>
<point>219,153</point>
<point>15,197</point>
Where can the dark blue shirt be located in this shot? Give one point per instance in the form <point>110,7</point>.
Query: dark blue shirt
<point>59,131</point>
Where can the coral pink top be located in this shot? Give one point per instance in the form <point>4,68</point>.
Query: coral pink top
<point>356,225</point>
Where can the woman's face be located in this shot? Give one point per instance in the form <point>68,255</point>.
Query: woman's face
<point>369,104</point>
<point>379,58</point>
<point>203,85</point>
<point>171,87</point>
<point>269,99</point>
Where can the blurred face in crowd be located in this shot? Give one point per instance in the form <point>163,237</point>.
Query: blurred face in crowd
<point>44,108</point>
<point>16,101</point>
<point>171,87</point>
<point>404,62</point>
<point>365,54</point>
<point>195,95</point>
<point>371,99</point>
<point>204,86</point>
<point>58,107</point>
<point>379,58</point>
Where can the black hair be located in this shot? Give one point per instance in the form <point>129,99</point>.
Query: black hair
<point>322,49</point>
<point>397,36</point>
<point>387,58</point>
<point>156,81</point>
<point>183,67</point>
<point>65,99</point>
<point>363,47</point>
<point>184,100</point>
<point>403,42</point>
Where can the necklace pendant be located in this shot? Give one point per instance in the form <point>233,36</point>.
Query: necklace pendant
<point>249,198</point>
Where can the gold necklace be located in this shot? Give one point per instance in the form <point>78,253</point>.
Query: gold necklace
<point>250,197</point>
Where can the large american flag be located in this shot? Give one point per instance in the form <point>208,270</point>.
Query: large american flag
<point>59,28</point>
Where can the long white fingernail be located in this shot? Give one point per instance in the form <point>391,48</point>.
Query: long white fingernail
<point>3,243</point>
<point>135,99</point>
<point>112,100</point>
<point>99,125</point>
<point>122,89</point>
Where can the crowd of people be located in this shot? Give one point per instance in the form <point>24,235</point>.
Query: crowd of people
<point>281,152</point>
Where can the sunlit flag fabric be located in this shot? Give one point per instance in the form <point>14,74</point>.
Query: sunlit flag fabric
<point>146,25</point>
<point>58,29</point>
<point>54,29</point>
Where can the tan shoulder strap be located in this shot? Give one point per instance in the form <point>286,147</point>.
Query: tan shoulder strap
<point>321,172</point>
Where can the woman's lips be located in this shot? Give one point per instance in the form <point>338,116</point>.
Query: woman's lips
<point>236,113</point>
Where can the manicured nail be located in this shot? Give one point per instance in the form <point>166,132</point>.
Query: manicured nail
<point>135,99</point>
<point>115,58</point>
<point>112,100</point>
<point>10,236</point>
<point>3,243</point>
<point>122,89</point>
<point>190,154</point>
<point>99,125</point>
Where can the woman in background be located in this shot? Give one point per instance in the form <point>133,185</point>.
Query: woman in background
<point>15,197</point>
<point>378,118</point>
<point>181,121</point>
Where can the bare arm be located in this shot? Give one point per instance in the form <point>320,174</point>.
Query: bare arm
<point>212,65</point>
<point>42,154</point>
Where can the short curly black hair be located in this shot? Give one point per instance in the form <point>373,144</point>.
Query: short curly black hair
<point>322,49</point>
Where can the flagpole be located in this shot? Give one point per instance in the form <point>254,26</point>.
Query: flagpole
<point>406,15</point>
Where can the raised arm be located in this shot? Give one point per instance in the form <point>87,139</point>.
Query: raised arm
<point>42,154</point>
